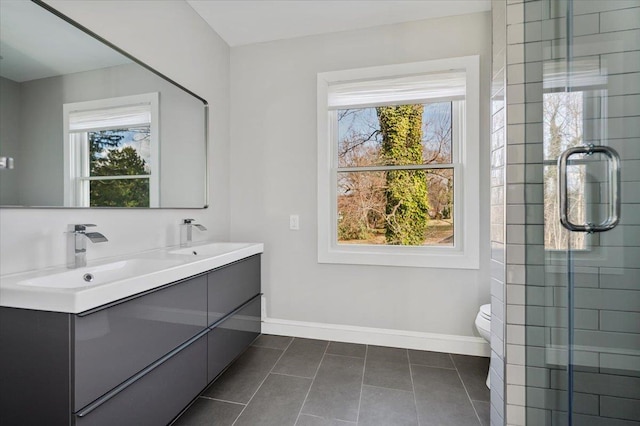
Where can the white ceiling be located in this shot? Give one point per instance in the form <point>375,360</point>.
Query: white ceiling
<point>252,21</point>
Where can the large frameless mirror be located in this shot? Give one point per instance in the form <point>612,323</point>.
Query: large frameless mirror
<point>84,124</point>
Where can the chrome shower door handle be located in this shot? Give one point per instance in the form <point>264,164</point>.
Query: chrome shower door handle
<point>613,216</point>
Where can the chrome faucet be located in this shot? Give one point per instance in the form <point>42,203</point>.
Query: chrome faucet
<point>77,244</point>
<point>186,231</point>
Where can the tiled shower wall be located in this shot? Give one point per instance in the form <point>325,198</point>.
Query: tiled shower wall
<point>508,215</point>
<point>526,35</point>
<point>606,39</point>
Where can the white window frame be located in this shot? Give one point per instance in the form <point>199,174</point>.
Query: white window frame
<point>464,254</point>
<point>76,192</point>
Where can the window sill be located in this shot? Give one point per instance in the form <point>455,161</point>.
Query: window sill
<point>417,257</point>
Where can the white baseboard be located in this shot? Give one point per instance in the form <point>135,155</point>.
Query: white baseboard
<point>465,345</point>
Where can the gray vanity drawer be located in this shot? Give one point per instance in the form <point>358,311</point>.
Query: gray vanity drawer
<point>159,396</point>
<point>232,285</point>
<point>230,338</point>
<point>114,343</point>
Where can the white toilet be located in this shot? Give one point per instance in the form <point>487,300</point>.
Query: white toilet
<point>483,324</point>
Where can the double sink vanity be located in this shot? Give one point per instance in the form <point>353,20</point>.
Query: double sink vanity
<point>129,340</point>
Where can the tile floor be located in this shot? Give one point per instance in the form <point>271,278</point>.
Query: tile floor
<point>284,381</point>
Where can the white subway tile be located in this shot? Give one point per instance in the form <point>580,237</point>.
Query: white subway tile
<point>515,134</point>
<point>515,74</point>
<point>534,213</point>
<point>497,288</point>
<point>497,309</point>
<point>618,20</point>
<point>515,53</point>
<point>516,274</point>
<point>515,112</point>
<point>533,72</point>
<point>617,63</point>
<point>516,374</point>
<point>515,173</point>
<point>515,214</point>
<point>515,235</point>
<point>515,34</point>
<point>533,112</point>
<point>533,11</point>
<point>515,415</point>
<point>516,294</point>
<point>533,31</point>
<point>515,334</point>
<point>534,132</point>
<point>584,7</point>
<point>515,193</point>
<point>515,13</point>
<point>515,393</point>
<point>596,44</point>
<point>516,254</point>
<point>515,94</point>
<point>516,154</point>
<point>515,314</point>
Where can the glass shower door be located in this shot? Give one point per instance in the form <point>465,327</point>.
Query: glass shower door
<point>587,312</point>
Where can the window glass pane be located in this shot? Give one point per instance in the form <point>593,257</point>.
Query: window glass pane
<point>119,152</point>
<point>119,193</point>
<point>563,122</point>
<point>399,207</point>
<point>556,237</point>
<point>395,135</point>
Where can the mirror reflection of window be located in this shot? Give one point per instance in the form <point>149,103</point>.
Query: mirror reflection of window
<point>112,152</point>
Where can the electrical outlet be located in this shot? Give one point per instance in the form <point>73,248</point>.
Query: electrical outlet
<point>294,222</point>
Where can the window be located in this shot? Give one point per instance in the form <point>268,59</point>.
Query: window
<point>572,118</point>
<point>563,122</point>
<point>398,165</point>
<point>111,152</point>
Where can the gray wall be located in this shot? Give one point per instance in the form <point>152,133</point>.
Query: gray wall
<point>274,174</point>
<point>41,121</point>
<point>9,139</point>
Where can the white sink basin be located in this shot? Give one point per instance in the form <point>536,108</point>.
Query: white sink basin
<point>209,250</point>
<point>73,291</point>
<point>102,274</point>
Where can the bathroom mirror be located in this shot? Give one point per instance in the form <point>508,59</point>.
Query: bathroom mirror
<point>84,124</point>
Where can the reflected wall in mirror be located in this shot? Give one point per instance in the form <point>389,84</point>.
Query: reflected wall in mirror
<point>89,126</point>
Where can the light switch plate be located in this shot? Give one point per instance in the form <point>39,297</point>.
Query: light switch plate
<point>294,222</point>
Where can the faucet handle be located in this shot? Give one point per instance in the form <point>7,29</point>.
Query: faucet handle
<point>79,227</point>
<point>187,221</point>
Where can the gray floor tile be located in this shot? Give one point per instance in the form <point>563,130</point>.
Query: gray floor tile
<point>272,341</point>
<point>431,359</point>
<point>385,407</point>
<point>277,402</point>
<point>381,353</point>
<point>205,412</point>
<point>473,371</point>
<point>307,420</point>
<point>388,374</point>
<point>241,380</point>
<point>441,399</point>
<point>301,358</point>
<point>484,411</point>
<point>335,393</point>
<point>347,349</point>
